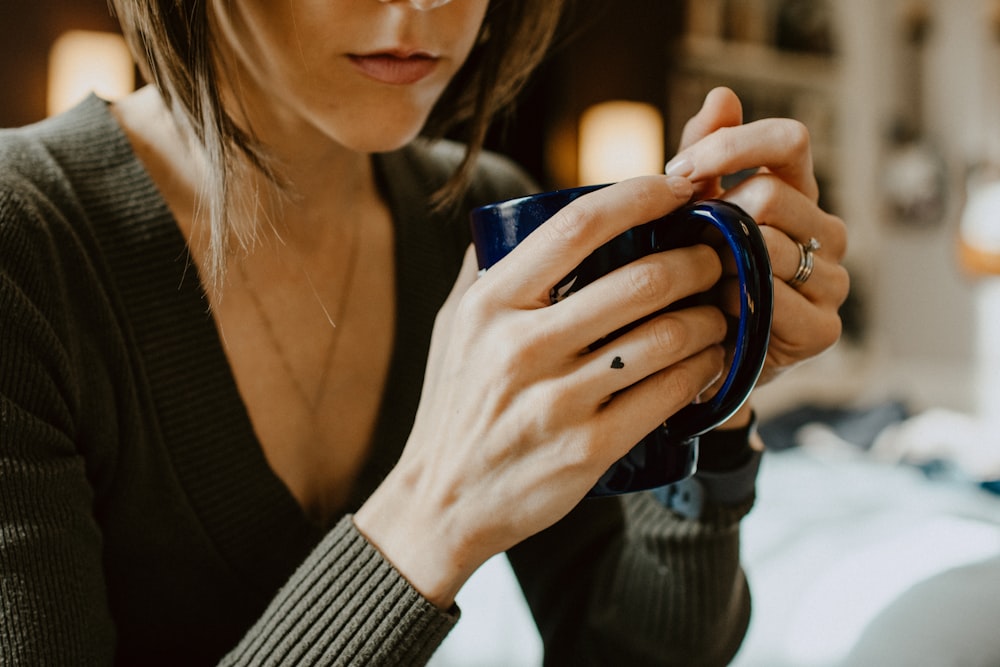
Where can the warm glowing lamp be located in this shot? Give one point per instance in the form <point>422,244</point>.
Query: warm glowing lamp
<point>83,61</point>
<point>620,139</point>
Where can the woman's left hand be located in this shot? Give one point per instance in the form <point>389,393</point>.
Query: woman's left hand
<point>782,196</point>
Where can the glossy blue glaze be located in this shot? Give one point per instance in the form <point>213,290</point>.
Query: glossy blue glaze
<point>669,453</point>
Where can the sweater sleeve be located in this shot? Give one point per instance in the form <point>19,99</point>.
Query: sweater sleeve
<point>346,605</point>
<point>628,581</point>
<point>53,606</point>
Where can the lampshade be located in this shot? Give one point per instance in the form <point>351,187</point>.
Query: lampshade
<point>83,61</point>
<point>619,139</point>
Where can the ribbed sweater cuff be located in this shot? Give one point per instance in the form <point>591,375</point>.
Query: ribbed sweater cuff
<point>345,605</point>
<point>704,617</point>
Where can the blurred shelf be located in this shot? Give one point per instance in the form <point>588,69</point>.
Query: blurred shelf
<point>759,63</point>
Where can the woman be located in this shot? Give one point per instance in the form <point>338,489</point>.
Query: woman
<point>219,296</point>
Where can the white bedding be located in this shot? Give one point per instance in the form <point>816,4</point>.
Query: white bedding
<point>853,562</point>
<point>857,562</point>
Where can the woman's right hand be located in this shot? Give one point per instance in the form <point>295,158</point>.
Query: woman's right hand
<point>518,417</point>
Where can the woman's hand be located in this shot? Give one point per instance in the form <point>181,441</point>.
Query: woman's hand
<point>519,418</point>
<point>782,197</point>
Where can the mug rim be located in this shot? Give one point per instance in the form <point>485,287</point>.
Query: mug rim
<point>577,190</point>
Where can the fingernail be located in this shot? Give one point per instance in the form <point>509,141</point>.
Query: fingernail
<point>679,166</point>
<point>681,187</point>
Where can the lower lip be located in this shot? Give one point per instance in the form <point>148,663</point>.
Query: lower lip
<point>393,70</point>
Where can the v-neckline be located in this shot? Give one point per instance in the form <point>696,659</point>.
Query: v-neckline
<point>206,430</point>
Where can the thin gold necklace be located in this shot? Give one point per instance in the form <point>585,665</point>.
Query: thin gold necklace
<point>311,401</point>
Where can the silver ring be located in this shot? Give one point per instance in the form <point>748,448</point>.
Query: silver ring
<point>806,262</point>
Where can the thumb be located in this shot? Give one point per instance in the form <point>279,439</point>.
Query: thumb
<point>721,108</point>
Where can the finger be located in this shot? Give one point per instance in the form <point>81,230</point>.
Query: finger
<point>722,108</point>
<point>803,311</point>
<point>787,258</point>
<point>801,329</point>
<point>776,205</point>
<point>649,348</point>
<point>633,292</point>
<point>781,145</point>
<point>642,407</point>
<point>827,285</point>
<point>525,277</point>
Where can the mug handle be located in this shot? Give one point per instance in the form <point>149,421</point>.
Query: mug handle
<point>753,332</point>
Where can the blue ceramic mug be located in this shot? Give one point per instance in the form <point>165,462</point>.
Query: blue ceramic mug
<point>669,453</point>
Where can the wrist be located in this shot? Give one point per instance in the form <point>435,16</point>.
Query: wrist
<point>731,446</point>
<point>720,498</point>
<point>416,539</point>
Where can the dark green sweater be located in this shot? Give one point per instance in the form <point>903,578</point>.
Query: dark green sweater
<point>139,520</point>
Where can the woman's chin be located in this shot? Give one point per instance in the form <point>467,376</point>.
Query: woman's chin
<point>384,139</point>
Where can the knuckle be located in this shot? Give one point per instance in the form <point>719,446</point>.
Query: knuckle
<point>645,282</point>
<point>582,452</point>
<point>569,222</point>
<point>552,398</point>
<point>795,134</point>
<point>831,332</point>
<point>669,333</point>
<point>825,332</point>
<point>474,308</point>
<point>680,384</point>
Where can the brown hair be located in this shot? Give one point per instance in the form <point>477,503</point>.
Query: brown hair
<point>171,43</point>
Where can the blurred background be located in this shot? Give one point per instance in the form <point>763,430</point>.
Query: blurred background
<point>875,539</point>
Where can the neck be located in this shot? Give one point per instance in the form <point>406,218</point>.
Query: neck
<point>320,176</point>
<point>314,205</point>
<point>325,186</point>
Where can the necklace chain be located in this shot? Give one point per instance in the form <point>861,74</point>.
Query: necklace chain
<point>313,400</point>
